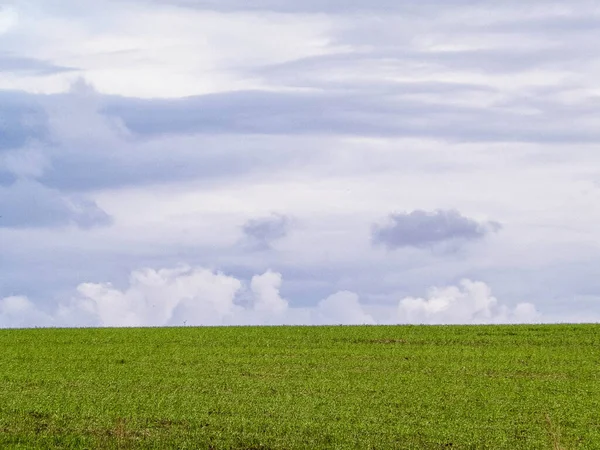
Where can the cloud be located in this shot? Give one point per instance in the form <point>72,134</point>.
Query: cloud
<point>262,232</point>
<point>18,64</point>
<point>29,204</point>
<point>341,308</point>
<point>352,104</point>
<point>24,163</point>
<point>20,312</point>
<point>26,200</point>
<point>161,297</point>
<point>359,108</point>
<point>21,119</point>
<point>360,74</point>
<point>264,112</point>
<point>315,6</point>
<point>181,296</point>
<point>9,18</point>
<point>469,302</point>
<point>423,229</point>
<point>79,145</point>
<point>198,296</point>
<point>265,288</point>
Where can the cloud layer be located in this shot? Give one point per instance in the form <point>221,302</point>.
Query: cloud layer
<point>187,296</point>
<point>141,133</point>
<point>469,302</point>
<point>427,229</point>
<point>262,232</point>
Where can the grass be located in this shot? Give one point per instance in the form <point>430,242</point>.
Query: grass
<point>404,387</point>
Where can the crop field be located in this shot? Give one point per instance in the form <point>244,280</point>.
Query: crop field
<point>379,387</point>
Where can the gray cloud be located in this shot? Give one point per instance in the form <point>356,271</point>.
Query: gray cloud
<point>364,112</point>
<point>578,21</point>
<point>423,229</point>
<point>19,64</point>
<point>27,204</point>
<point>133,141</point>
<point>286,6</point>
<point>482,60</point>
<point>262,232</point>
<point>21,119</point>
<point>379,106</point>
<point>320,6</point>
<point>75,134</point>
<point>488,73</point>
<point>26,200</point>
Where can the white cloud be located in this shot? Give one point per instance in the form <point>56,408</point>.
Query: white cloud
<point>341,308</point>
<point>162,297</point>
<point>126,48</point>
<point>20,312</point>
<point>9,18</point>
<point>469,302</point>
<point>354,117</point>
<point>265,288</point>
<point>198,296</point>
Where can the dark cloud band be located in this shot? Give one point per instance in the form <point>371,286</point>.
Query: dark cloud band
<point>423,229</point>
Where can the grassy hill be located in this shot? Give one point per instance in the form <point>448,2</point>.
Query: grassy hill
<point>421,387</point>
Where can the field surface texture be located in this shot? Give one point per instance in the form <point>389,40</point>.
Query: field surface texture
<point>459,387</point>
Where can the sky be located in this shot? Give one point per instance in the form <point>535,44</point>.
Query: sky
<point>200,162</point>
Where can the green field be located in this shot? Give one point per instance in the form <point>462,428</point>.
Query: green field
<point>421,387</point>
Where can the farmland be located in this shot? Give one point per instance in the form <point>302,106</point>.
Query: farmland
<point>421,387</point>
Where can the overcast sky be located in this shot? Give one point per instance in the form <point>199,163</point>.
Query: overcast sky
<point>189,162</point>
